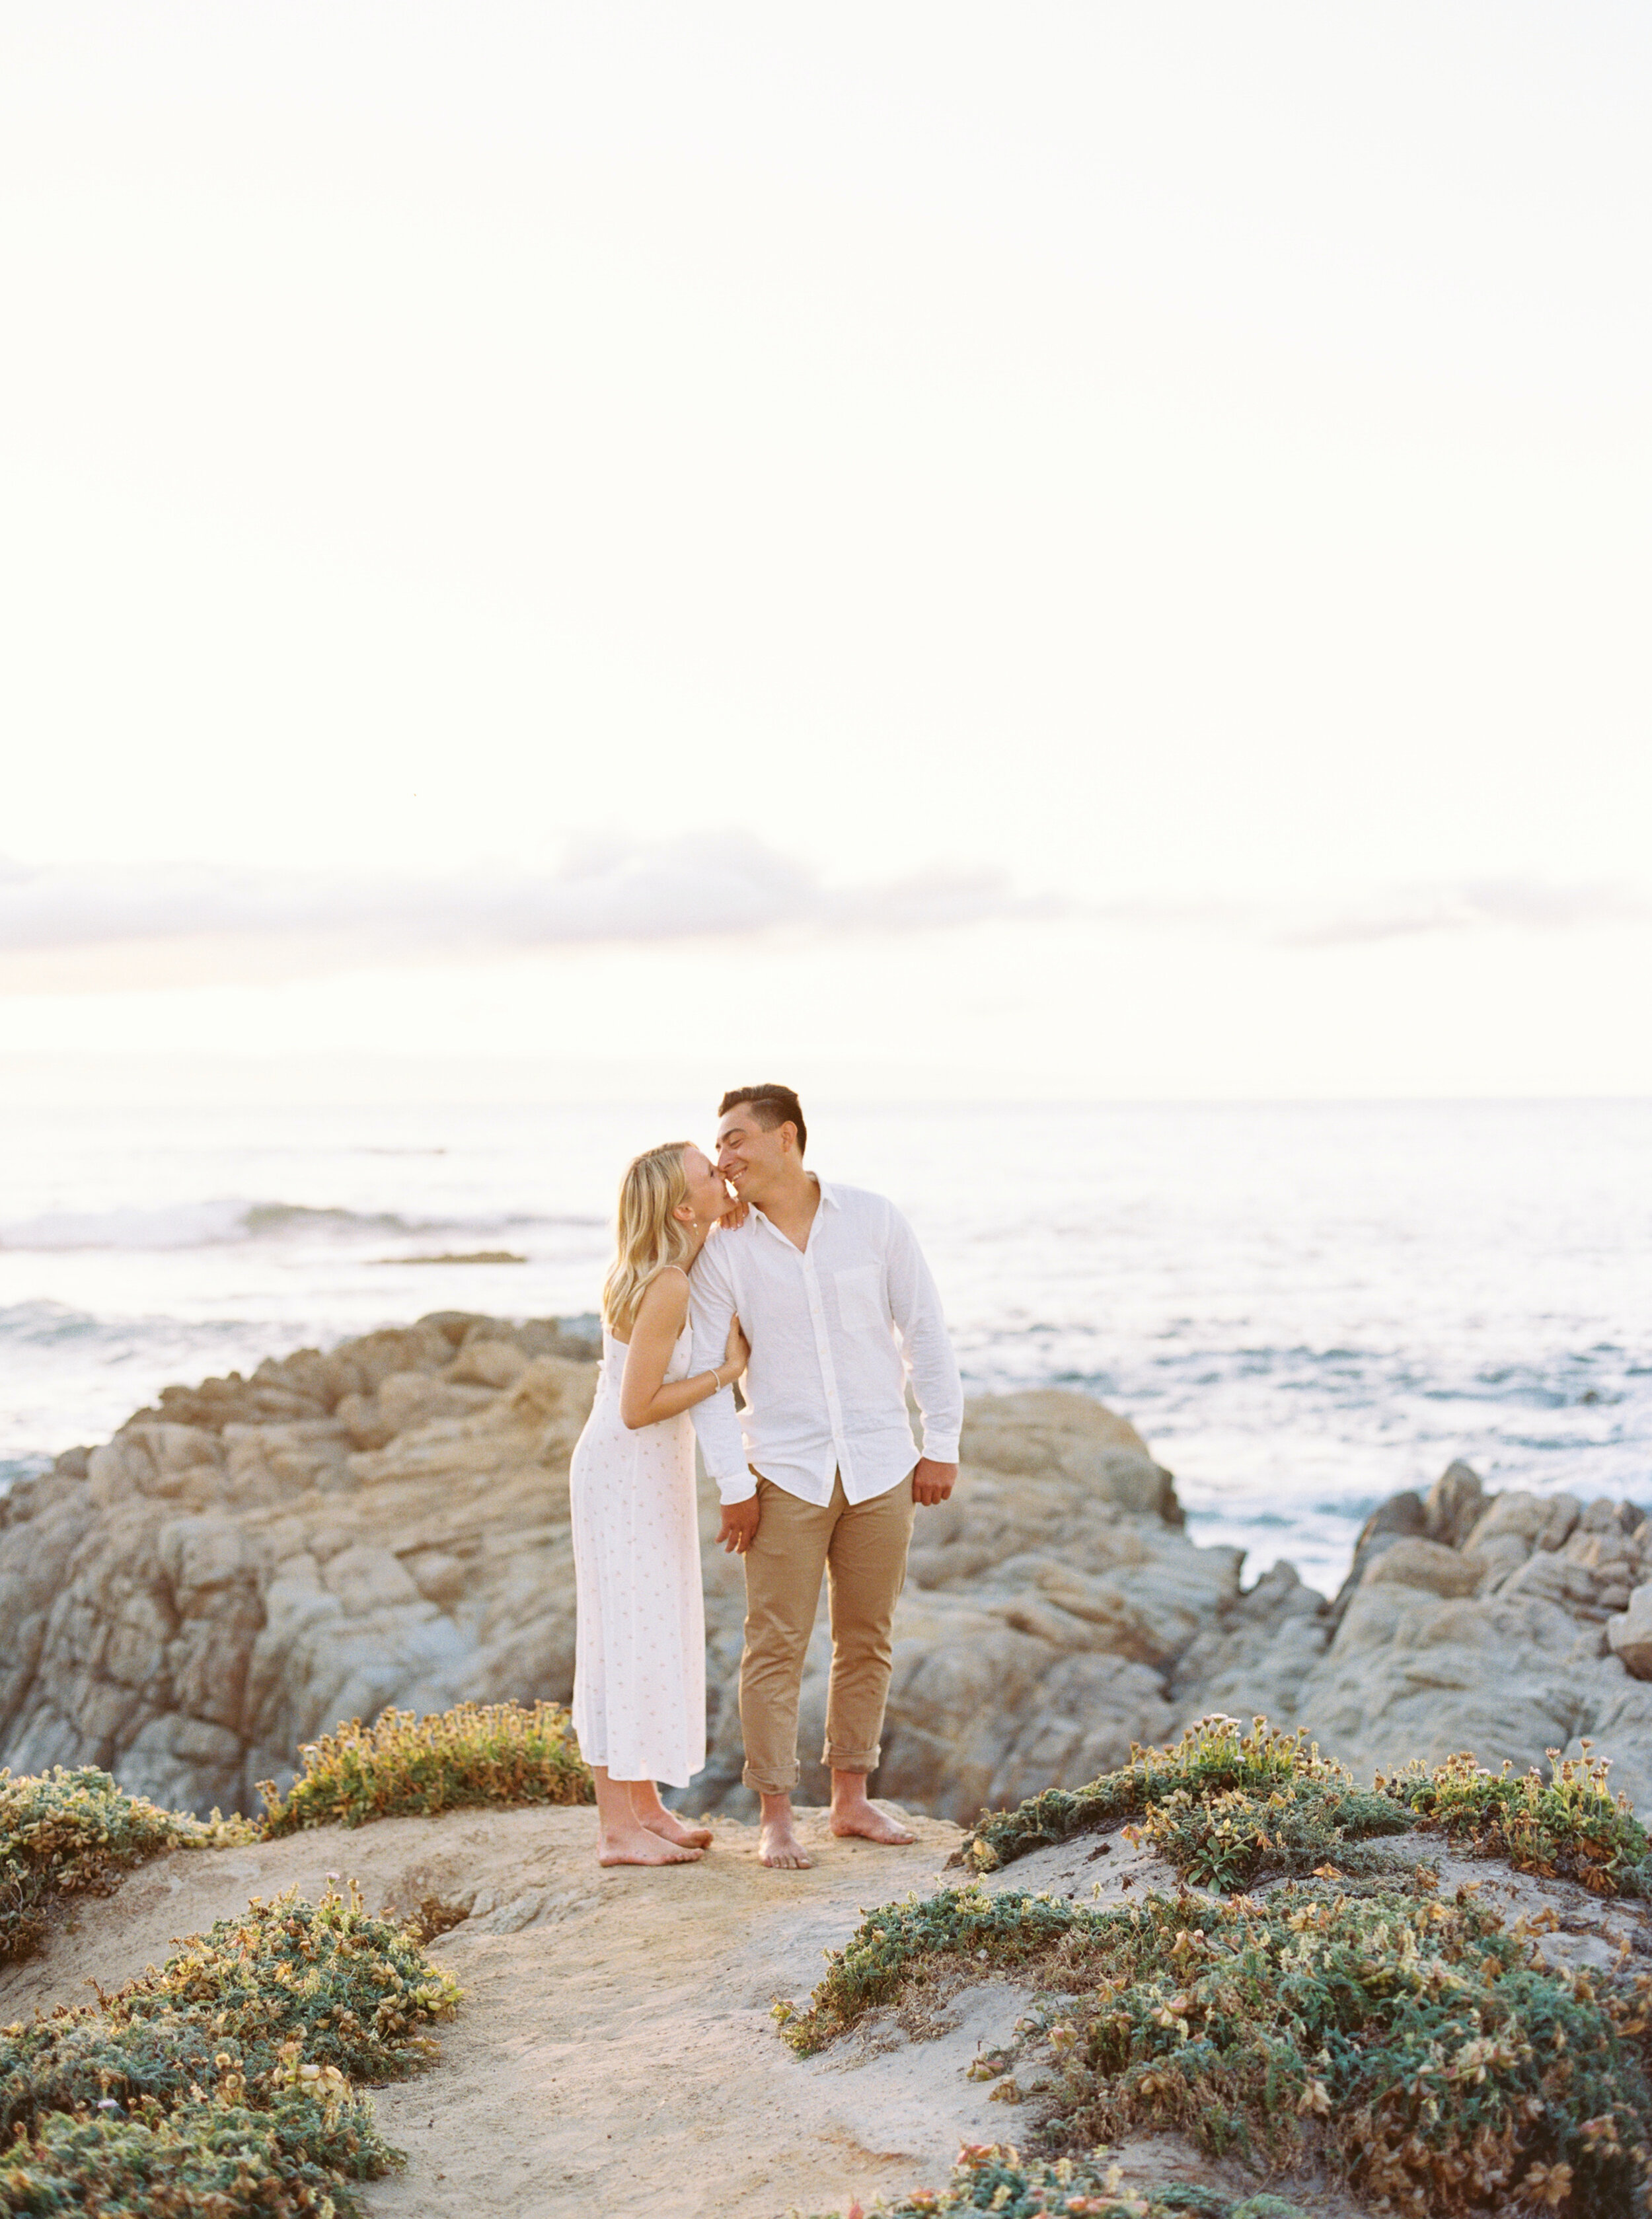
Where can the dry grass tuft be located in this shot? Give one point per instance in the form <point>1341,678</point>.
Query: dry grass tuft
<point>432,1916</point>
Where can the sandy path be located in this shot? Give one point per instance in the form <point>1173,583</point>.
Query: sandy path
<point>615,2056</point>
<point>615,2053</point>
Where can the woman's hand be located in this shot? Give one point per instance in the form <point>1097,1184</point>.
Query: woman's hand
<point>736,1349</point>
<point>733,1218</point>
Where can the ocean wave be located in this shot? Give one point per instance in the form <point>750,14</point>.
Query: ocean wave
<point>47,1322</point>
<point>1566,1379</point>
<point>227,1223</point>
<point>58,1324</point>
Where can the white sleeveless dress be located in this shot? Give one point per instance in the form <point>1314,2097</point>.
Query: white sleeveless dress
<point>639,1671</point>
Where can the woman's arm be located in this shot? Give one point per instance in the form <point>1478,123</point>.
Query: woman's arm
<point>714,1306</point>
<point>644,1397</point>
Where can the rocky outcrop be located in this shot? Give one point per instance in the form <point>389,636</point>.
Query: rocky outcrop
<point>253,1560</point>
<point>1506,1625</point>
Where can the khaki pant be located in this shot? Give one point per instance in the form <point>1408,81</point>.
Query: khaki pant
<point>862,1546</point>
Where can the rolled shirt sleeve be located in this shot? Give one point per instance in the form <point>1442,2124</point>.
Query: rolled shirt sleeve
<point>717,1422</point>
<point>915,1305</point>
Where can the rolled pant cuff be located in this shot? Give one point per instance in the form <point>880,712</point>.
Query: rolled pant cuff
<point>749,1779</point>
<point>852,1760</point>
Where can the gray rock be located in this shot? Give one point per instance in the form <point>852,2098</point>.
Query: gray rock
<point>254,1560</point>
<point>1403,1517</point>
<point>1410,1562</point>
<point>1456,1501</point>
<point>1542,1521</point>
<point>1630,1635</point>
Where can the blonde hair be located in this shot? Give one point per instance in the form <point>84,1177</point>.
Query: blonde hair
<point>648,1238</point>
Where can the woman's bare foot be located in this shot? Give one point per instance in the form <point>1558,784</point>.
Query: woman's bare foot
<point>639,1845</point>
<point>858,1815</point>
<point>648,1811</point>
<point>670,1828</point>
<point>623,1835</point>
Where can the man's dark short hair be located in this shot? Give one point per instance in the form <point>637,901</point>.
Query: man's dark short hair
<point>770,1106</point>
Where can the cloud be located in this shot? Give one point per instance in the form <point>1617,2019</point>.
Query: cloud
<point>79,928</point>
<point>1529,904</point>
<point>1393,913</point>
<point>606,891</point>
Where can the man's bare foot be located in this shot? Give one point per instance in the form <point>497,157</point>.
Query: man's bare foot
<point>778,1845</point>
<point>670,1828</point>
<point>639,1845</point>
<point>860,1815</point>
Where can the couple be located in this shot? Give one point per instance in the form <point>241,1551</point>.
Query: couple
<point>820,1297</point>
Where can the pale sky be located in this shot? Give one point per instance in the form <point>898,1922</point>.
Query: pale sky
<point>1051,550</point>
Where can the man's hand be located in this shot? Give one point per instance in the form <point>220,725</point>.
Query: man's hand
<point>739,1528</point>
<point>932,1482</point>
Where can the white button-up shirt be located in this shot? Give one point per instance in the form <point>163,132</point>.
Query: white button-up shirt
<point>835,1327</point>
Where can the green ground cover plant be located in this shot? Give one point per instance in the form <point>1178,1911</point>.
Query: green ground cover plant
<point>1570,1826</point>
<point>225,2083</point>
<point>963,1931</point>
<point>1227,1808</point>
<point>1415,2045</point>
<point>404,1766</point>
<point>1222,1805</point>
<point>995,2178</point>
<point>75,1832</point>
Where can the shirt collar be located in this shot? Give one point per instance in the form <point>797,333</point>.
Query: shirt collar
<point>828,1201</point>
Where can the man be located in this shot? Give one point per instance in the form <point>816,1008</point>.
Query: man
<point>825,1477</point>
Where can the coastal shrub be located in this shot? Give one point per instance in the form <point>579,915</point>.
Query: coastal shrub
<point>1412,2044</point>
<point>65,1832</point>
<point>222,2084</point>
<point>1222,1803</point>
<point>1570,1826</point>
<point>403,1765</point>
<point>995,2178</point>
<point>207,2160</point>
<point>1225,1807</point>
<point>75,1832</point>
<point>962,1931</point>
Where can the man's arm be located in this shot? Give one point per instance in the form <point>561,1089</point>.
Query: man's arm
<point>915,1304</point>
<point>711,1306</point>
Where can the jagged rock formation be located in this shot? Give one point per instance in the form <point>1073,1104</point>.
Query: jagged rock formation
<point>240,1569</point>
<point>1508,1625</point>
<point>255,1559</point>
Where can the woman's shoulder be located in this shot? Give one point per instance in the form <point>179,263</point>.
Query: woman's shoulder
<point>666,1293</point>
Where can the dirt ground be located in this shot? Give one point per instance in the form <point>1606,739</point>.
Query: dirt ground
<point>615,2053</point>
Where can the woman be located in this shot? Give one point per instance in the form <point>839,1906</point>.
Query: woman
<point>639,1674</point>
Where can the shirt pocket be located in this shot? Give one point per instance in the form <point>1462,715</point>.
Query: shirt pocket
<point>861,1303</point>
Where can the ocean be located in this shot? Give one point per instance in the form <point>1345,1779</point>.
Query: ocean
<point>1303,1307</point>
